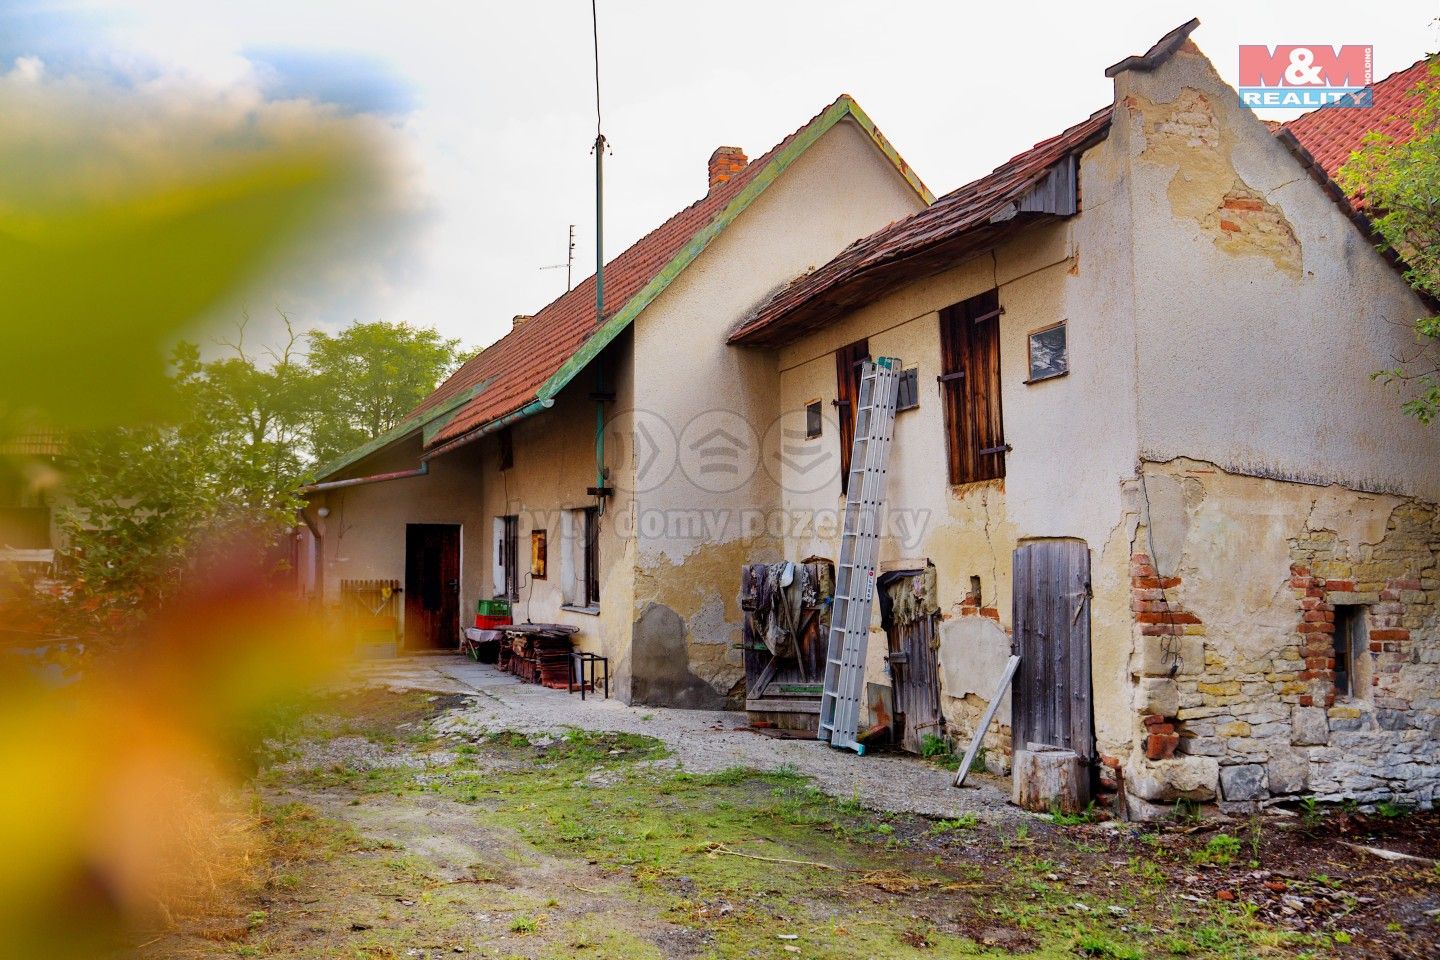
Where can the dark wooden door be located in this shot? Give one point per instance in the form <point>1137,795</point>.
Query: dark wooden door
<point>916,674</point>
<point>432,586</point>
<point>1051,697</point>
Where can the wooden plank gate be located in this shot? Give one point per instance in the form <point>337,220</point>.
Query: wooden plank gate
<point>1051,701</point>
<point>915,671</point>
<point>371,610</point>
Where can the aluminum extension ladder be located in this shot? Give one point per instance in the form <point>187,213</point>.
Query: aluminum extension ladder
<point>843,691</point>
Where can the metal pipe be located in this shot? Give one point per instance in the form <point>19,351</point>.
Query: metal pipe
<point>419,471</point>
<point>599,228</point>
<point>465,439</point>
<point>530,409</point>
<point>305,516</point>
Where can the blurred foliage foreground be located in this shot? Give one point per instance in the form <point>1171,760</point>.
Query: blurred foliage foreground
<point>116,810</point>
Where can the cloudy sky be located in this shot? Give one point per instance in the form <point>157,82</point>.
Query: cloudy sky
<point>489,107</point>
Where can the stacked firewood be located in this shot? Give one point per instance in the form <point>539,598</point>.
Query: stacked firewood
<point>537,658</point>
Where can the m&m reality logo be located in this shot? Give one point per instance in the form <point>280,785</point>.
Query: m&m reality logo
<point>1305,77</point>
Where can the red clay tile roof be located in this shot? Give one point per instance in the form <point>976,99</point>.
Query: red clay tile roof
<point>532,361</point>
<point>1331,134</point>
<point>919,245</point>
<point>518,364</point>
<point>958,223</point>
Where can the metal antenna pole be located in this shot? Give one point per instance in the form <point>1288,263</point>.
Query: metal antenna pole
<point>569,263</point>
<point>599,178</point>
<point>600,488</point>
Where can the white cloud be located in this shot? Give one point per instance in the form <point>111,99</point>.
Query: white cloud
<point>26,70</point>
<point>494,160</point>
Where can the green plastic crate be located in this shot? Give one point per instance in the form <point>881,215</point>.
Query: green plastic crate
<point>493,608</point>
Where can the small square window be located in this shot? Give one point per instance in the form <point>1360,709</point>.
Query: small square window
<point>1049,353</point>
<point>909,394</point>
<point>813,422</point>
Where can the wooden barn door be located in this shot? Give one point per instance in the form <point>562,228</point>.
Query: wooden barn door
<point>1051,697</point>
<point>432,586</point>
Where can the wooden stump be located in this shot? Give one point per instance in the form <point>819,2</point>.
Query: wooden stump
<point>1049,778</point>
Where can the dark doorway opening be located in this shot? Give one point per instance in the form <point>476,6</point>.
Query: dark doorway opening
<point>432,586</point>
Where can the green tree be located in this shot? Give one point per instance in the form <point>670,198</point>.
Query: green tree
<point>253,413</point>
<point>224,469</point>
<point>1400,182</point>
<point>368,377</point>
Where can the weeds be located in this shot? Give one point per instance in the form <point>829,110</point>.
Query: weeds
<point>1256,835</point>
<point>1063,819</point>
<point>1311,816</point>
<point>1186,811</point>
<point>1094,945</point>
<point>725,855</point>
<point>965,821</point>
<point>1219,851</point>
<point>937,750</point>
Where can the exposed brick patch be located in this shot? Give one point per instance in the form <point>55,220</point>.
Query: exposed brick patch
<point>1315,636</point>
<point>1159,616</point>
<point>1157,613</point>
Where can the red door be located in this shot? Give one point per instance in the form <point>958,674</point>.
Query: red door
<point>432,586</point>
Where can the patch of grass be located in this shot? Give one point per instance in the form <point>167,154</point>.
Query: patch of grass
<point>1219,851</point>
<point>1062,819</point>
<point>1148,871</point>
<point>1095,945</point>
<point>1392,811</point>
<point>734,857</point>
<point>966,821</point>
<point>937,750</point>
<point>295,833</point>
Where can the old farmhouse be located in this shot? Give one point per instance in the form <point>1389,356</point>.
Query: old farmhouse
<point>1138,442</point>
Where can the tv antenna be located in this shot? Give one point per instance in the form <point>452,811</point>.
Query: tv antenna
<point>599,151</point>
<point>569,263</point>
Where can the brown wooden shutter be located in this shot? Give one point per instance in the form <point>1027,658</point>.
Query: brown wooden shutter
<point>847,393</point>
<point>970,388</point>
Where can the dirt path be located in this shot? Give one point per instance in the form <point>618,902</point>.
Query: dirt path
<point>433,816</point>
<point>700,741</point>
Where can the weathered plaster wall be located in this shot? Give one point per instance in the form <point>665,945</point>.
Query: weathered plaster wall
<point>706,503</point>
<point>1073,446</point>
<point>1261,311</point>
<point>364,536</point>
<point>1234,641</point>
<point>554,463</point>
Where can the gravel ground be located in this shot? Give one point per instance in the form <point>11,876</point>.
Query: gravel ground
<point>701,741</point>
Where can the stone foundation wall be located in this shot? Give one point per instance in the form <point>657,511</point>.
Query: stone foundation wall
<point>1383,741</point>
<point>1235,668</point>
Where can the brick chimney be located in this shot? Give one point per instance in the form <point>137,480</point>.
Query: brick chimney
<point>520,320</point>
<point>725,163</point>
